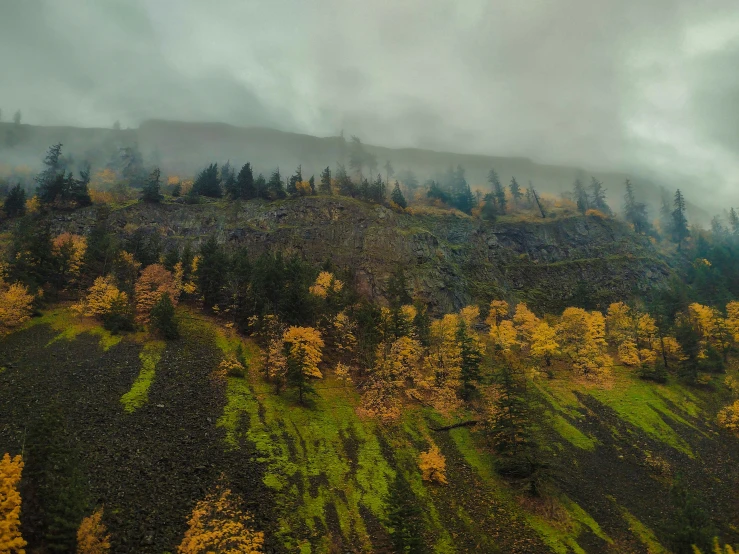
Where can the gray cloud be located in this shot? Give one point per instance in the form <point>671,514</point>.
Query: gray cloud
<point>617,84</point>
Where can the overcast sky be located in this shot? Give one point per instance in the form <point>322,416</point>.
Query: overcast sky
<point>628,84</point>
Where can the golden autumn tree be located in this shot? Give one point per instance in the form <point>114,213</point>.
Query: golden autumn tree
<point>69,251</point>
<point>582,337</point>
<point>101,298</point>
<point>219,525</point>
<point>342,334</point>
<point>92,535</point>
<point>443,359</point>
<point>155,280</point>
<point>433,466</point>
<point>728,418</point>
<point>544,344</point>
<point>326,283</point>
<point>498,311</point>
<point>11,540</point>
<point>634,334</point>
<point>309,341</point>
<point>732,319</point>
<point>15,306</point>
<point>712,328</point>
<point>526,324</point>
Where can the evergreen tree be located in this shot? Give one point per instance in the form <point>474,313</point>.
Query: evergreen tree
<point>397,196</point>
<point>171,257</point>
<point>244,187</point>
<point>132,166</point>
<point>498,192</point>
<point>208,183</point>
<point>325,186</point>
<point>177,190</point>
<point>470,360</point>
<point>636,212</point>
<point>163,318</point>
<point>274,186</point>
<point>15,202</point>
<point>515,191</point>
<point>690,525</point>
<point>151,192</point>
<point>536,200</point>
<point>295,375</point>
<point>292,183</point>
<point>489,210</point>
<point>378,191</point>
<point>364,189</point>
<point>80,190</point>
<point>101,248</point>
<point>581,197</point>
<point>665,220</point>
<point>734,222</point>
<point>30,259</point>
<point>680,230</point>
<point>51,181</point>
<point>212,272</point>
<point>404,517</point>
<point>260,187</point>
<point>312,183</point>
<point>228,178</point>
<point>345,184</point>
<point>598,196</point>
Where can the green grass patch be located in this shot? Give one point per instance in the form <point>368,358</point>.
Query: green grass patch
<point>572,434</point>
<point>70,325</point>
<point>139,393</point>
<point>643,533</point>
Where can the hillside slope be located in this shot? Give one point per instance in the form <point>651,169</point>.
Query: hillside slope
<point>450,259</point>
<point>146,430</point>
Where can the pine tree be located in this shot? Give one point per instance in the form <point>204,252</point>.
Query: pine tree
<point>680,230</point>
<point>515,191</point>
<point>498,192</point>
<point>228,177</point>
<point>296,376</point>
<point>471,359</point>
<point>598,196</point>
<point>275,186</point>
<point>211,271</point>
<point>325,186</point>
<point>79,189</point>
<point>15,202</point>
<point>162,318</point>
<point>244,187</point>
<point>151,192</point>
<point>636,212</point>
<point>296,178</point>
<point>397,196</point>
<point>581,197</point>
<point>260,186</point>
<point>312,183</point>
<point>51,180</point>
<point>345,184</point>
<point>208,183</point>
<point>404,517</point>
<point>378,191</point>
<point>734,222</point>
<point>489,211</point>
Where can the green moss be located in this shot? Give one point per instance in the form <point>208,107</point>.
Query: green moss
<point>584,520</point>
<point>69,326</point>
<point>139,393</point>
<point>572,434</point>
<point>643,533</point>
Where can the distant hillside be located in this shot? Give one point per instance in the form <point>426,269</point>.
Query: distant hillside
<point>184,148</point>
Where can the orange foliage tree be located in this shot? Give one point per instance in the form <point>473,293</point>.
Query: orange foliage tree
<point>309,341</point>
<point>153,282</point>
<point>433,466</point>
<point>218,524</point>
<point>11,540</point>
<point>583,339</point>
<point>92,535</point>
<point>15,306</point>
<point>68,251</point>
<point>326,283</point>
<point>102,298</point>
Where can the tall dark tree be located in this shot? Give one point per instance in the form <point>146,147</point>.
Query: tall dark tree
<point>208,182</point>
<point>462,196</point>
<point>581,196</point>
<point>244,187</point>
<point>131,164</point>
<point>275,186</point>
<point>598,196</point>
<point>497,192</point>
<point>212,271</point>
<point>295,375</point>
<point>102,247</point>
<point>80,188</point>
<point>344,182</point>
<point>636,212</point>
<point>734,222</point>
<point>516,193</point>
<point>162,318</point>
<point>404,517</point>
<point>470,360</point>
<point>151,192</point>
<point>325,186</point>
<point>15,202</point>
<point>312,183</point>
<point>30,258</point>
<point>51,181</point>
<point>260,186</point>
<point>680,230</point>
<point>378,191</point>
<point>292,182</point>
<point>397,196</point>
<point>665,212</point>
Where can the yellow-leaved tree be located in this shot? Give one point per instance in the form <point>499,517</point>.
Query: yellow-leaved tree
<point>309,341</point>
<point>498,311</point>
<point>326,283</point>
<point>68,251</point>
<point>433,465</point>
<point>15,306</point>
<point>102,298</point>
<point>444,357</point>
<point>526,324</point>
<point>544,344</point>
<point>11,540</point>
<point>92,535</point>
<point>728,418</point>
<point>582,337</point>
<point>218,524</point>
<point>154,281</point>
<point>712,328</point>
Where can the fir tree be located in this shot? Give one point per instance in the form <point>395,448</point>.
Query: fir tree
<point>636,212</point>
<point>244,187</point>
<point>734,222</point>
<point>15,202</point>
<point>212,271</point>
<point>274,186</point>
<point>598,196</point>
<point>163,318</point>
<point>79,189</point>
<point>471,358</point>
<point>378,191</point>
<point>208,183</point>
<point>312,183</point>
<point>404,517</point>
<point>345,184</point>
<point>260,187</point>
<point>515,191</point>
<point>680,230</point>
<point>228,177</point>
<point>489,210</point>
<point>151,192</point>
<point>325,186</point>
<point>498,192</point>
<point>293,181</point>
<point>295,375</point>
<point>51,180</point>
<point>397,196</point>
<point>581,197</point>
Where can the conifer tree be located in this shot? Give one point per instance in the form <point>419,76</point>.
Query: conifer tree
<point>581,197</point>
<point>79,189</point>
<point>680,230</point>
<point>635,212</point>
<point>345,184</point>
<point>378,191</point>
<point>15,202</point>
<point>151,192</point>
<point>244,187</point>
<point>274,186</point>
<point>208,183</point>
<point>325,186</point>
<point>295,375</point>
<point>598,196</point>
<point>293,181</point>
<point>162,318</point>
<point>260,187</point>
<point>211,271</point>
<point>498,192</point>
<point>405,518</point>
<point>51,180</point>
<point>397,196</point>
<point>470,360</point>
<point>312,183</point>
<point>516,193</point>
<point>734,222</point>
<point>228,177</point>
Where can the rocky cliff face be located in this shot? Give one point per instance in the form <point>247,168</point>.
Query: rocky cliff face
<point>450,259</point>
